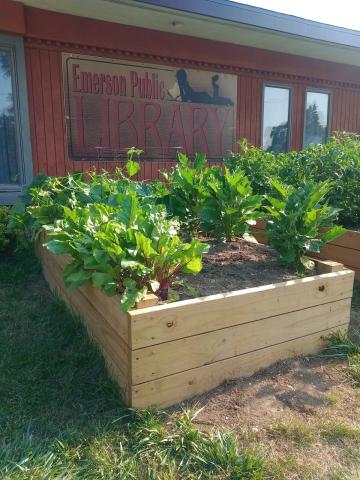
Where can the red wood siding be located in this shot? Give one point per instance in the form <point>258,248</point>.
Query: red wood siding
<point>12,18</point>
<point>49,34</point>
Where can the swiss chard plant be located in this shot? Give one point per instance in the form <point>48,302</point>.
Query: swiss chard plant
<point>300,222</point>
<point>43,200</point>
<point>229,207</point>
<point>127,248</point>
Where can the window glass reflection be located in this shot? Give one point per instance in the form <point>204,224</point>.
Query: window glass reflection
<point>316,118</point>
<point>9,172</point>
<point>276,119</point>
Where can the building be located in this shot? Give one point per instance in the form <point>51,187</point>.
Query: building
<point>81,81</point>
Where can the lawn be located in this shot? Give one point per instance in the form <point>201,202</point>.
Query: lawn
<point>62,418</point>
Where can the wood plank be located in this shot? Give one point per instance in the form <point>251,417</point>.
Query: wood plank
<point>48,111</point>
<point>163,323</point>
<point>350,258</point>
<point>350,239</point>
<point>58,111</point>
<point>327,266</point>
<point>115,350</point>
<point>175,388</point>
<point>38,112</point>
<point>168,358</point>
<point>107,307</point>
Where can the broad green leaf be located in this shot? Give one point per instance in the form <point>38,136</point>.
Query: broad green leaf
<point>193,266</point>
<point>58,247</point>
<point>132,167</point>
<point>332,233</point>
<point>76,279</point>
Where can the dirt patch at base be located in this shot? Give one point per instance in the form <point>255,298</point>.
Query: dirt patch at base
<point>302,385</point>
<point>302,415</point>
<point>234,266</point>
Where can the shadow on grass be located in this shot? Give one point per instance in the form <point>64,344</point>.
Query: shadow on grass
<point>61,417</point>
<point>53,381</point>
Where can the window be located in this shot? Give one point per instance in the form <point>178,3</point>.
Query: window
<point>276,118</point>
<point>15,151</point>
<point>9,165</point>
<point>316,123</point>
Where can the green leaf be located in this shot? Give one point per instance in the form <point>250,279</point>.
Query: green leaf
<point>193,266</point>
<point>76,279</point>
<point>131,295</point>
<point>332,233</point>
<point>199,161</point>
<point>128,209</point>
<point>99,279</point>
<point>132,167</point>
<point>58,247</point>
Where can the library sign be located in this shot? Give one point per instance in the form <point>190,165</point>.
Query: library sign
<point>113,105</point>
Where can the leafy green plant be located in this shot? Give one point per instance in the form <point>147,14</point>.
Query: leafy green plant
<point>296,219</point>
<point>258,166</point>
<point>229,207</point>
<point>43,200</point>
<point>338,161</point>
<point>5,234</point>
<point>128,249</point>
<point>187,189</point>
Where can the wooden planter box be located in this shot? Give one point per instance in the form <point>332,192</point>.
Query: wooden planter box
<point>344,249</point>
<point>164,354</point>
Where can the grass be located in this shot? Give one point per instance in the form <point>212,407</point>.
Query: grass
<point>356,294</point>
<point>296,431</point>
<point>61,417</point>
<point>342,345</point>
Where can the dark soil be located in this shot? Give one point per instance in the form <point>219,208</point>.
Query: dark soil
<point>234,266</point>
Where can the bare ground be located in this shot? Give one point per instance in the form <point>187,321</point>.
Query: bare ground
<point>303,415</point>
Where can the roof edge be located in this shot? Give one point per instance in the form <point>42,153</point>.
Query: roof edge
<point>227,10</point>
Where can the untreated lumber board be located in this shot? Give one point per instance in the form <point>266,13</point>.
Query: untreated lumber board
<point>114,349</point>
<point>344,248</point>
<point>108,307</point>
<point>347,256</point>
<point>327,266</point>
<point>350,239</point>
<point>168,358</point>
<point>169,390</point>
<point>191,317</point>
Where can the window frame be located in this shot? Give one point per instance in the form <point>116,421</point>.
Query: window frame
<point>329,112</point>
<point>9,193</point>
<point>290,110</point>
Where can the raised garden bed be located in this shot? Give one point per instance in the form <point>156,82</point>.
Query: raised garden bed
<point>163,354</point>
<point>344,249</point>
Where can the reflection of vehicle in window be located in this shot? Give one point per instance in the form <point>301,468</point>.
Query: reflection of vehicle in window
<point>279,138</point>
<point>186,93</point>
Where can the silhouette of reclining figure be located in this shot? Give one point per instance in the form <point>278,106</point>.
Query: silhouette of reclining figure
<point>188,94</point>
